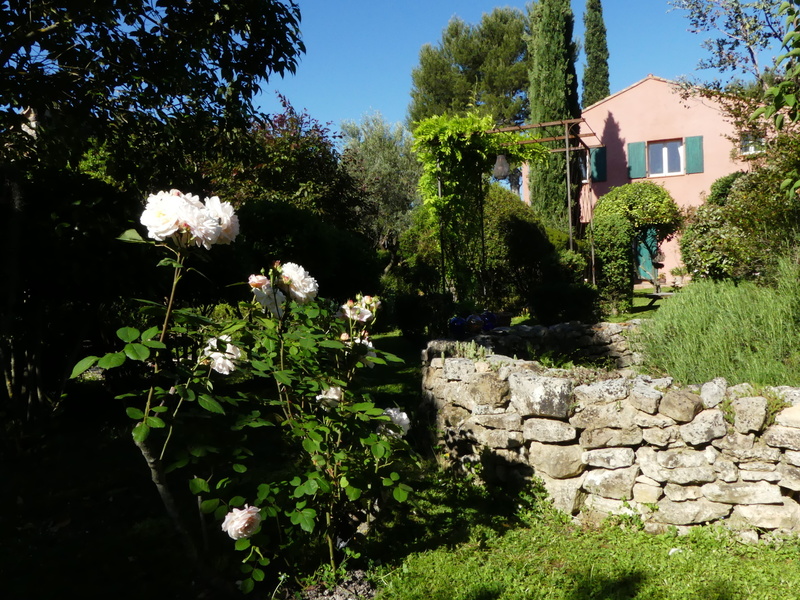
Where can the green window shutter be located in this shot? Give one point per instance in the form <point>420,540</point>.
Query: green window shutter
<point>597,163</point>
<point>694,154</point>
<point>637,162</point>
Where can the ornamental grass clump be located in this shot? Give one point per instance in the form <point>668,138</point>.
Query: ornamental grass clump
<point>743,332</point>
<point>254,411</point>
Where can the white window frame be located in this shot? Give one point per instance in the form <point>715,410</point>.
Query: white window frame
<point>751,143</point>
<point>664,144</point>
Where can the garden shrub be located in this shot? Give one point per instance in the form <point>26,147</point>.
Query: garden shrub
<point>613,238</point>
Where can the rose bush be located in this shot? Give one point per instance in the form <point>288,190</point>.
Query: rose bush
<point>290,439</point>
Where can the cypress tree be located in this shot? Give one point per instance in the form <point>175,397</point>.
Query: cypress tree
<point>553,96</point>
<point>595,75</point>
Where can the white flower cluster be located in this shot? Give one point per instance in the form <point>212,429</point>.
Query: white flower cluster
<point>184,219</point>
<point>222,362</point>
<point>242,523</point>
<point>363,309</point>
<point>293,279</point>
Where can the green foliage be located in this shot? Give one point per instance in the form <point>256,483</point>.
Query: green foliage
<point>551,560</point>
<point>112,70</point>
<point>482,67</point>
<point>554,96</point>
<point>613,236</point>
<point>721,189</point>
<point>713,248</point>
<point>595,74</point>
<point>644,204</point>
<point>744,30</point>
<point>379,159</point>
<point>743,332</point>
<point>738,238</point>
<point>455,153</point>
<point>618,217</point>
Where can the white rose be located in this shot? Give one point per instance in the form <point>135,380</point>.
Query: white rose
<point>162,215</point>
<point>222,362</point>
<point>355,312</point>
<point>204,228</point>
<point>331,397</point>
<point>228,221</point>
<point>270,298</point>
<point>242,523</point>
<point>302,287</point>
<point>399,418</point>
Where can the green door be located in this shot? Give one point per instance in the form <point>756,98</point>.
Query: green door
<point>646,250</point>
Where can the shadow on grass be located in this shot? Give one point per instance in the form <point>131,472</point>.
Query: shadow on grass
<point>630,587</point>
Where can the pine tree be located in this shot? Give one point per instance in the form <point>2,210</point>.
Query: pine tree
<point>553,97</point>
<point>482,66</point>
<point>595,75</point>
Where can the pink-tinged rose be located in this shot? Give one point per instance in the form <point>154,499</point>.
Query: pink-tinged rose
<point>242,523</point>
<point>257,281</point>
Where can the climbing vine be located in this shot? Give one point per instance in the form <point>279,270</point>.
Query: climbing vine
<point>457,154</point>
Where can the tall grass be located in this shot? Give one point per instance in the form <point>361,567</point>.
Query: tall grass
<point>743,332</point>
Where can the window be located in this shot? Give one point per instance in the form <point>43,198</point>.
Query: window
<point>665,158</point>
<point>751,143</point>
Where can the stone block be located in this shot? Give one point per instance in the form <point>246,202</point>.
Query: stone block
<point>548,430</point>
<point>726,471</point>
<point>558,462</point>
<point>609,458</point>
<point>681,493</point>
<point>537,396</point>
<point>790,476</point>
<point>780,436</point>
<point>712,392</point>
<point>742,493</point>
<point>610,437</point>
<point>618,415</point>
<point>458,369</point>
<point>784,516</point>
<point>788,417</point>
<point>681,405</point>
<point>750,414</point>
<point>611,483</point>
<point>647,494</point>
<point>601,392</point>
<point>487,390</point>
<point>706,426</point>
<point>660,437</point>
<point>682,458</point>
<point>509,421</point>
<point>645,398</point>
<point>690,512</point>
<point>566,495</point>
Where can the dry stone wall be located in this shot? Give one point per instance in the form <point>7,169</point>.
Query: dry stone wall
<point>624,442</point>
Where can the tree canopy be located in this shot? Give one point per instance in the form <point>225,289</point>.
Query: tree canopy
<point>595,75</point>
<point>483,67</point>
<point>554,96</point>
<point>100,68</point>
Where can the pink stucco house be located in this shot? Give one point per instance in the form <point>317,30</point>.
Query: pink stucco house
<point>649,132</point>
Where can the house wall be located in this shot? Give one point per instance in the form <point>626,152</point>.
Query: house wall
<point>653,110</point>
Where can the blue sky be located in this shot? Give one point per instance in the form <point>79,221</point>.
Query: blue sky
<point>360,53</point>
